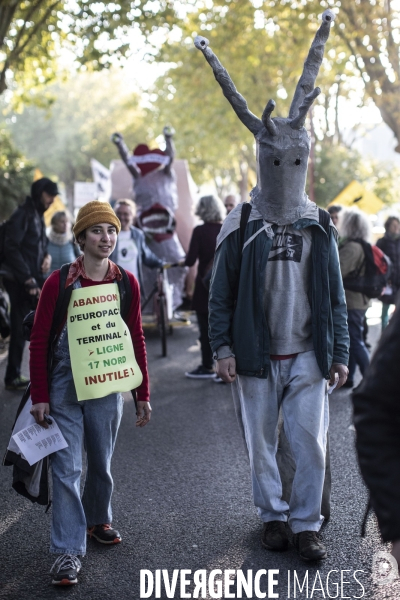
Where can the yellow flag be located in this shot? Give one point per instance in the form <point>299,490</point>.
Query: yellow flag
<point>53,208</point>
<point>355,194</point>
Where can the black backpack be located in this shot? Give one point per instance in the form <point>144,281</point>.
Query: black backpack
<point>376,275</point>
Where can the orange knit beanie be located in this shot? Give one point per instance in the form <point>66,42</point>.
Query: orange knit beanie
<point>94,213</point>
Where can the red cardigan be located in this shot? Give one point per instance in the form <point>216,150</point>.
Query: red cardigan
<point>41,331</point>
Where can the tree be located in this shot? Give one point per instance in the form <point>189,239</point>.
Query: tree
<point>371,30</point>
<point>249,43</point>
<point>62,138</point>
<point>16,175</point>
<point>367,36</point>
<point>98,33</point>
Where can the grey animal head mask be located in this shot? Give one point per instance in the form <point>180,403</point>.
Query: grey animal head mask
<point>283,145</point>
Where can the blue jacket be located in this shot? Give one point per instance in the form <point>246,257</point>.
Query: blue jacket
<point>145,255</point>
<point>243,325</point>
<point>61,255</point>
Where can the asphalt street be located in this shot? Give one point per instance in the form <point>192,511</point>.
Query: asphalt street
<point>183,500</point>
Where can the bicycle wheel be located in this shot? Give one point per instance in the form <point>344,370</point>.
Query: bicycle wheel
<point>162,324</point>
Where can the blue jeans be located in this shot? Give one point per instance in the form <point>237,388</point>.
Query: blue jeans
<point>91,425</point>
<point>297,387</point>
<point>358,352</point>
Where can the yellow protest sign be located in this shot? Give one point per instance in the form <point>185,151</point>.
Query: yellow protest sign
<point>102,357</point>
<point>355,194</point>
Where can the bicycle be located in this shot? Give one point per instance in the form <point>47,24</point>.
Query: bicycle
<point>162,304</point>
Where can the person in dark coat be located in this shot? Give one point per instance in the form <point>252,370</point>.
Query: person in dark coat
<point>26,262</point>
<point>377,421</point>
<point>390,245</point>
<point>202,248</point>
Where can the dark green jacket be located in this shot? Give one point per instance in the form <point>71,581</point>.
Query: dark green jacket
<point>244,327</point>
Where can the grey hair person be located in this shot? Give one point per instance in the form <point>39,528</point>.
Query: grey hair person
<point>210,209</point>
<point>57,216</point>
<point>354,224</point>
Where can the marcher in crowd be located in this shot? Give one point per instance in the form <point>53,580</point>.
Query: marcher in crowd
<point>376,419</point>
<point>230,202</point>
<point>93,423</point>
<point>202,248</point>
<point>61,246</point>
<point>131,250</point>
<point>334,211</point>
<point>25,266</point>
<point>353,225</point>
<point>277,339</point>
<point>390,245</point>
<point>277,311</point>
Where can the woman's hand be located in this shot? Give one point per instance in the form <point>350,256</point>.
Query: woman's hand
<point>143,412</point>
<point>38,410</point>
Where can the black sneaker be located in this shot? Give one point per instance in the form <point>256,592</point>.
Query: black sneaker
<point>309,545</point>
<point>65,570</point>
<point>348,384</point>
<point>274,536</point>
<point>201,373</point>
<point>17,384</point>
<point>104,534</point>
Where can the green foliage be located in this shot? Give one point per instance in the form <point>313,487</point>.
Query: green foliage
<point>98,35</point>
<point>16,176</point>
<point>334,168</point>
<point>62,139</point>
<point>367,36</point>
<point>263,49</point>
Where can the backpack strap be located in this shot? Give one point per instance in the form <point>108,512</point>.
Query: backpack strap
<point>125,294</point>
<point>61,308</point>
<point>64,296</point>
<point>244,218</point>
<point>324,219</point>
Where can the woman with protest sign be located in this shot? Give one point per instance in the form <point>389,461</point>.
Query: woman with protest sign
<point>77,377</point>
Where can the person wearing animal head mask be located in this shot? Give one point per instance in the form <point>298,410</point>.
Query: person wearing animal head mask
<point>277,312</point>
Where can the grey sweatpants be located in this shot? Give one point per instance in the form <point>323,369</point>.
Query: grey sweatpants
<point>297,387</point>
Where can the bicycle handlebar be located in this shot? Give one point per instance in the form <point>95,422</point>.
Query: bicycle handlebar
<point>171,265</point>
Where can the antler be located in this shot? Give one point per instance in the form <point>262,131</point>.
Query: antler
<point>298,122</point>
<point>311,67</point>
<point>266,118</point>
<point>236,100</point>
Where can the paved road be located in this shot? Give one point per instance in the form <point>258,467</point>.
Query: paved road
<point>182,500</point>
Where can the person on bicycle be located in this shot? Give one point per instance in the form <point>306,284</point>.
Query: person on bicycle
<point>87,404</point>
<point>131,250</point>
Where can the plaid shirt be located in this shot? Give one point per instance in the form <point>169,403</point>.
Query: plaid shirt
<point>77,269</point>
